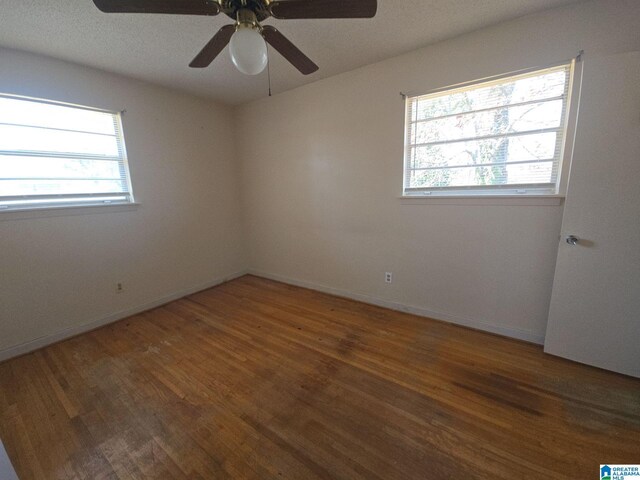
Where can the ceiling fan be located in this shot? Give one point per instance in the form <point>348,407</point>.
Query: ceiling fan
<point>246,37</point>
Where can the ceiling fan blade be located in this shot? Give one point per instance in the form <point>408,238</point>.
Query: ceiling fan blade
<point>175,7</point>
<point>288,50</point>
<point>212,49</point>
<point>293,9</point>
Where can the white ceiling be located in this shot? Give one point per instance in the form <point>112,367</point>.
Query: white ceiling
<point>158,48</point>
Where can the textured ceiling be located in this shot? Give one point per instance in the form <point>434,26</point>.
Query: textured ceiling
<point>158,48</point>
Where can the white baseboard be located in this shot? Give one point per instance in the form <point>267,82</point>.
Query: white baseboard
<point>114,317</point>
<point>40,342</point>
<point>423,312</point>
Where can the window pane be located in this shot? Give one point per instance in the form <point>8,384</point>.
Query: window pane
<point>56,141</point>
<point>495,133</point>
<point>521,118</point>
<point>35,202</point>
<point>539,146</point>
<point>59,187</point>
<point>51,167</point>
<point>23,112</point>
<point>535,173</point>
<point>58,155</point>
<point>525,89</point>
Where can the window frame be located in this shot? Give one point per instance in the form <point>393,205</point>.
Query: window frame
<point>74,200</point>
<point>469,193</point>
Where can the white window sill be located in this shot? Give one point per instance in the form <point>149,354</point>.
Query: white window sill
<point>63,211</point>
<point>480,200</point>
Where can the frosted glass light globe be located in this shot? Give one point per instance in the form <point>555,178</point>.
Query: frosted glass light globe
<point>248,50</point>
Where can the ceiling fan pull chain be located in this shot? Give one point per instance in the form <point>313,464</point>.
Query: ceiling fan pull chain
<point>268,69</point>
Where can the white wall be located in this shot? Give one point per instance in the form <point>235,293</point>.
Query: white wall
<point>58,273</point>
<point>322,172</point>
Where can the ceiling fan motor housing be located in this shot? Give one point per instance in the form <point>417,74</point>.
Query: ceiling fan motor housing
<point>231,8</point>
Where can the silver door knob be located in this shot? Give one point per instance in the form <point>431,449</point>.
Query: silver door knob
<point>572,240</point>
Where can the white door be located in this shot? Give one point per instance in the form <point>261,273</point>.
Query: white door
<point>594,316</point>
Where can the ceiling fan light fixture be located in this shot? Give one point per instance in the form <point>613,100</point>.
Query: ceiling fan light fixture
<point>248,50</point>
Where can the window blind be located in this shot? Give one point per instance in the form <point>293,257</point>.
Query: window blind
<point>500,136</point>
<point>58,155</point>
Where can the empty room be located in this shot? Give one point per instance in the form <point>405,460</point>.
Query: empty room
<point>320,239</point>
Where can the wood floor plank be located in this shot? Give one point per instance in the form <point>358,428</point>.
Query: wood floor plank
<point>256,379</point>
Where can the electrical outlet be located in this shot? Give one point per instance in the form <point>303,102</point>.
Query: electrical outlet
<point>119,288</point>
<point>388,277</point>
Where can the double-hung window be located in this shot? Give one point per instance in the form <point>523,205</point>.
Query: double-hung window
<point>54,155</point>
<point>503,136</point>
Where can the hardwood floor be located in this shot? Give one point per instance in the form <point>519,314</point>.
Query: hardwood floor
<point>257,379</point>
